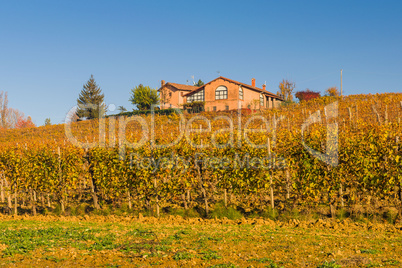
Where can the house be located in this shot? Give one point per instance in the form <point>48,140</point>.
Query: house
<point>172,94</point>
<point>218,95</point>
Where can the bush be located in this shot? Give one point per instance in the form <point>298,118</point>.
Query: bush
<point>146,112</point>
<point>185,213</point>
<point>220,211</point>
<point>307,95</point>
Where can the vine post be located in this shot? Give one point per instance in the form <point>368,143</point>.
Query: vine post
<point>15,200</point>
<point>32,202</point>
<point>60,179</point>
<point>271,186</point>
<point>287,184</point>
<point>2,188</point>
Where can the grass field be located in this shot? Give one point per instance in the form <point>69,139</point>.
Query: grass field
<point>99,241</point>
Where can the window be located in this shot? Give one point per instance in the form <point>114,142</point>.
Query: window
<point>199,96</point>
<point>261,100</point>
<point>221,93</point>
<point>170,94</point>
<point>227,107</point>
<point>241,93</point>
<point>214,108</point>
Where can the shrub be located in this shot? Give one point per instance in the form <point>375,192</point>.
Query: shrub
<point>221,211</point>
<point>307,95</point>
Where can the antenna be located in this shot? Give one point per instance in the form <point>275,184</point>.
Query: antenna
<point>219,73</point>
<point>192,77</point>
<point>187,82</point>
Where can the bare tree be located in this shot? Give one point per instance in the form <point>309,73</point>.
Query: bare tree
<point>3,109</point>
<point>13,115</point>
<point>286,89</point>
<point>165,96</point>
<point>8,116</point>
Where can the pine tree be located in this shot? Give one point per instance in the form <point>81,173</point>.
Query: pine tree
<point>91,95</point>
<point>199,83</point>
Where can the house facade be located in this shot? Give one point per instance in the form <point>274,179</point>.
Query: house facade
<point>219,94</point>
<point>172,94</point>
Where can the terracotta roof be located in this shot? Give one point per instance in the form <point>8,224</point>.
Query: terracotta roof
<point>180,86</point>
<point>235,82</point>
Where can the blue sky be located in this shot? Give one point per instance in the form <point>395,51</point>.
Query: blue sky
<point>49,49</point>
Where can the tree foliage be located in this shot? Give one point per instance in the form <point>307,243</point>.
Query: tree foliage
<point>47,122</point>
<point>91,101</point>
<point>332,91</point>
<point>9,117</point>
<point>307,95</point>
<point>286,89</point>
<point>199,83</point>
<point>24,122</point>
<point>121,109</point>
<point>143,97</point>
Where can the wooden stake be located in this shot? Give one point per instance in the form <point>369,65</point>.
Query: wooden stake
<point>386,114</point>
<point>42,200</point>
<point>287,184</point>
<point>183,196</point>
<point>350,113</point>
<point>156,198</point>
<point>15,202</point>
<point>32,202</point>
<point>357,113</point>
<point>2,189</point>
<point>270,176</point>
<point>60,179</point>
<point>129,200</point>
<point>341,195</point>
<point>226,198</point>
<point>376,113</point>
<point>9,202</point>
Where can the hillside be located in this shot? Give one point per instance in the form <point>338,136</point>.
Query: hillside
<point>360,174</point>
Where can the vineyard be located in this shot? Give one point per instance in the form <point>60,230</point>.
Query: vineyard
<point>253,161</point>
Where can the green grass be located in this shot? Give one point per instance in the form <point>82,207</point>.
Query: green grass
<point>169,244</point>
<point>22,241</point>
<point>269,263</point>
<point>223,265</point>
<point>370,251</point>
<point>182,256</point>
<point>329,265</point>
<point>210,255</point>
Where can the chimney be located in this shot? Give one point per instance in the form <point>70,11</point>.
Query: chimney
<point>263,87</point>
<point>253,82</point>
<point>162,83</point>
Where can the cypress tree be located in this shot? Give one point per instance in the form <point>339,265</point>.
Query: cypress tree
<point>91,94</point>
